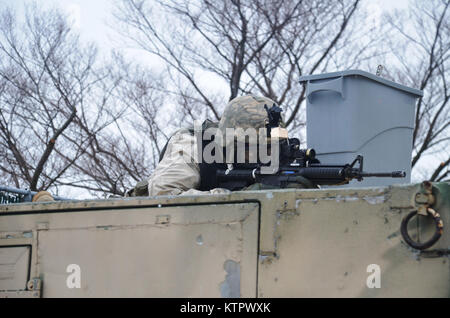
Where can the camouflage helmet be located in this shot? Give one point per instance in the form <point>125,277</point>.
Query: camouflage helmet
<point>244,112</point>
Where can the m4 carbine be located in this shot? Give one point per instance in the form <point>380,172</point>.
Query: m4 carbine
<point>296,165</point>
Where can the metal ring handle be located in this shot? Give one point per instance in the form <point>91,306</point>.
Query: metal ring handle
<point>437,234</point>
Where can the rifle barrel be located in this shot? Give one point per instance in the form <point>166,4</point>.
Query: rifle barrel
<point>393,174</point>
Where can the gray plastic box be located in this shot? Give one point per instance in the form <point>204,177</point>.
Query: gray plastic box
<point>354,112</point>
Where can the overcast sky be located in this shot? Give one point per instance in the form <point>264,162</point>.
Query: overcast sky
<point>91,17</point>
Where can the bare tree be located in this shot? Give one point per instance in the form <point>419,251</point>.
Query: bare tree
<point>123,153</point>
<point>259,47</point>
<point>68,119</point>
<point>421,58</point>
<point>48,94</point>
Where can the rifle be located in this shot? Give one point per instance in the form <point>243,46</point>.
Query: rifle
<point>296,165</point>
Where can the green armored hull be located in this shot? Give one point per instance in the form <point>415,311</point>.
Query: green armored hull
<point>273,243</point>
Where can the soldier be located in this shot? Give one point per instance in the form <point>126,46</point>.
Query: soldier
<point>180,172</point>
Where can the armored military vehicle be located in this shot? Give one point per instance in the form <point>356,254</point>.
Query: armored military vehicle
<point>384,239</point>
<point>347,242</point>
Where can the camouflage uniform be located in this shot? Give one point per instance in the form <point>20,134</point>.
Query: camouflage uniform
<point>178,172</point>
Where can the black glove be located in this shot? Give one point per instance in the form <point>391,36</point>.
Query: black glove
<point>140,190</point>
<point>300,183</point>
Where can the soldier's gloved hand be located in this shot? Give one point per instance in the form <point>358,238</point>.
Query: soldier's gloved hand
<point>260,186</point>
<point>140,190</point>
<point>300,183</point>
